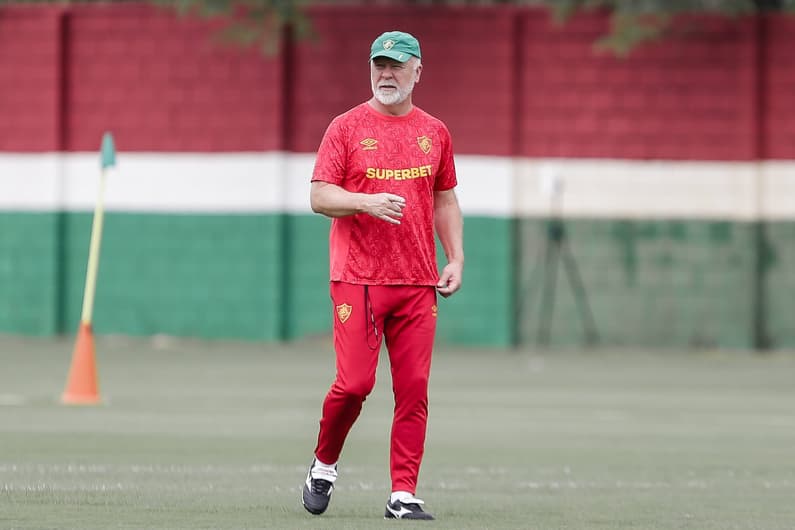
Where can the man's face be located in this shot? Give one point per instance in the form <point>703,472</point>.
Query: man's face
<point>393,81</point>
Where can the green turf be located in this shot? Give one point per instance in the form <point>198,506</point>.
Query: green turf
<point>218,435</point>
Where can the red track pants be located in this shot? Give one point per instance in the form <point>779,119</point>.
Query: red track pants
<point>406,317</point>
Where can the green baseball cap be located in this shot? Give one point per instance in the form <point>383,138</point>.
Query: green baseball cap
<point>396,45</point>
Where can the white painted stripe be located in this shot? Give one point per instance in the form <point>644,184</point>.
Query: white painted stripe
<point>778,185</point>
<point>298,176</point>
<point>145,182</point>
<point>605,188</point>
<point>641,189</point>
<point>488,186</point>
<point>485,185</point>
<point>11,400</point>
<point>30,182</point>
<point>179,182</point>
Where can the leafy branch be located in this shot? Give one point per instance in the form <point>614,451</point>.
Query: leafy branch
<point>632,22</point>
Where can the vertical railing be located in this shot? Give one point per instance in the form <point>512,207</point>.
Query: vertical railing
<point>61,121</point>
<point>761,246</point>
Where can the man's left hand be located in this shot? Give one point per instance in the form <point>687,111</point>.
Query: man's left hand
<point>450,279</point>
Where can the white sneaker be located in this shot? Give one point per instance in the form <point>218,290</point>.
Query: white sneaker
<point>410,508</point>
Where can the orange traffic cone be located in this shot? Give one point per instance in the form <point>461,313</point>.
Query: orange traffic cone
<point>81,386</point>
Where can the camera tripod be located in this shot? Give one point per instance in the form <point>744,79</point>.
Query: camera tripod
<point>557,248</point>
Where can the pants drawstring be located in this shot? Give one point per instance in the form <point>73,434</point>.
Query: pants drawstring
<point>368,308</point>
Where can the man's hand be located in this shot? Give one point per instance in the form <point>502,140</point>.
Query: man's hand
<point>385,206</point>
<point>450,279</point>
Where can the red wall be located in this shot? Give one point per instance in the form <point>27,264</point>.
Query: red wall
<point>161,84</point>
<point>691,98</point>
<point>30,88</point>
<point>508,81</point>
<point>466,78</point>
<point>778,104</point>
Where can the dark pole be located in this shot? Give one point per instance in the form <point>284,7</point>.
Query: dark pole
<point>761,264</point>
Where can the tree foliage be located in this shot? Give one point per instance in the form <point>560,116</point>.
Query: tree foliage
<point>632,22</point>
<point>251,22</point>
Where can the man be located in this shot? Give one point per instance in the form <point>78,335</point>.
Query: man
<point>385,175</point>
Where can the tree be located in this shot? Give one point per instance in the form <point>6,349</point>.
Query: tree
<point>632,22</point>
<point>251,22</point>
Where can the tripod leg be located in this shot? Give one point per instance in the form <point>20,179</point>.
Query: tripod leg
<point>527,292</point>
<point>548,296</point>
<point>579,294</point>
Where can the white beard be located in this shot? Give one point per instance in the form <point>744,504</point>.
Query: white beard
<point>392,97</point>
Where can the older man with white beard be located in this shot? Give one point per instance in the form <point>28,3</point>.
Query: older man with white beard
<point>385,176</point>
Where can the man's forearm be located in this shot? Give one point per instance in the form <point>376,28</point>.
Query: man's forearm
<point>449,225</point>
<point>333,201</point>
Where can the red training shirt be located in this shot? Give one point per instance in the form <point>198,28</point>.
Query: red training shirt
<point>364,151</point>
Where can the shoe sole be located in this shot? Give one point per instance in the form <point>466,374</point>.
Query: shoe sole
<point>389,516</point>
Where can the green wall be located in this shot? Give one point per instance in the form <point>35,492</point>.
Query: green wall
<point>307,305</point>
<point>185,275</point>
<point>779,282</point>
<point>29,275</point>
<point>647,283</point>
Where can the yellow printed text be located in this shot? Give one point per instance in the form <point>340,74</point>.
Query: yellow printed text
<point>399,174</point>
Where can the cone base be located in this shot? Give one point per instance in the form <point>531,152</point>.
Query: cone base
<point>72,399</point>
<point>81,385</point>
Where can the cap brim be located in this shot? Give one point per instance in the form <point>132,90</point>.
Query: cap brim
<point>397,55</point>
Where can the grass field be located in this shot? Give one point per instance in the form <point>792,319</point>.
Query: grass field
<point>218,435</point>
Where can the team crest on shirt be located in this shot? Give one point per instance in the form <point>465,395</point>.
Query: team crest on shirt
<point>344,312</point>
<point>425,144</point>
<point>369,144</point>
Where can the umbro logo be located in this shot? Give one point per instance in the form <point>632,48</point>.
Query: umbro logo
<point>369,144</point>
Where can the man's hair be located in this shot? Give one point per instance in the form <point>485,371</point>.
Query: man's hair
<point>416,60</point>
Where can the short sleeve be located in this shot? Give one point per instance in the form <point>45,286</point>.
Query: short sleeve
<point>446,177</point>
<point>331,161</point>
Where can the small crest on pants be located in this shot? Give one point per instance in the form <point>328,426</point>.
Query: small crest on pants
<point>344,312</point>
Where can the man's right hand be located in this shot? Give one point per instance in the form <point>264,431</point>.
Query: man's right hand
<point>385,206</point>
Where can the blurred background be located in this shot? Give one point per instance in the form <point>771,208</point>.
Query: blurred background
<point>626,169</point>
<point>627,176</point>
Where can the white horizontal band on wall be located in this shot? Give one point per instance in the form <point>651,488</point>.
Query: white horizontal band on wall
<point>639,189</point>
<point>145,182</point>
<point>488,186</point>
<point>742,191</point>
<point>30,182</point>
